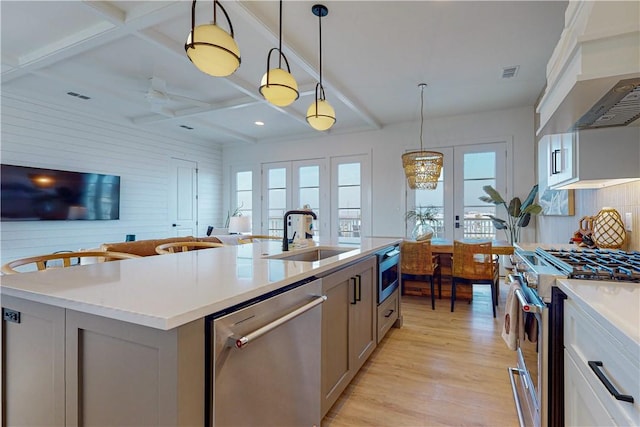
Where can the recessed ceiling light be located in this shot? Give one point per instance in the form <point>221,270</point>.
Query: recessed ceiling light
<point>259,123</point>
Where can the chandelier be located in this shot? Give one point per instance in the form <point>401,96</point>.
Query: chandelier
<point>422,168</point>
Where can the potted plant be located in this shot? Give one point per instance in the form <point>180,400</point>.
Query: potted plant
<point>518,213</point>
<point>423,216</point>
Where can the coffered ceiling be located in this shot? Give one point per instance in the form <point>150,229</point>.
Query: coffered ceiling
<point>128,59</point>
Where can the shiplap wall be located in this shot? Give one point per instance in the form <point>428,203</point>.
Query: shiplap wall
<point>52,137</point>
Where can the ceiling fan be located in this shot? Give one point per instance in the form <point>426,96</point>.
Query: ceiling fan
<point>158,98</point>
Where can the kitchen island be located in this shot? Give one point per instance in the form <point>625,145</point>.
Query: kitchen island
<point>121,343</point>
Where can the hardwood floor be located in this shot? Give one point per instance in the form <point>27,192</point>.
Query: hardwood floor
<point>440,368</point>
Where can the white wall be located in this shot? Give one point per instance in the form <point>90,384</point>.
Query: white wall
<point>387,145</point>
<point>51,137</point>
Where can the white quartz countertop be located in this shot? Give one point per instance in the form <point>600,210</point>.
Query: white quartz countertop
<point>615,305</point>
<point>167,291</point>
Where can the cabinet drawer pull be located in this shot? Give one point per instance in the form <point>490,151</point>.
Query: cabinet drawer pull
<point>389,313</point>
<point>355,291</point>
<point>359,285</point>
<point>595,367</point>
<point>554,162</point>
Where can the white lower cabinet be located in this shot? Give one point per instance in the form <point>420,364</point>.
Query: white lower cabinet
<point>348,326</point>
<point>62,367</point>
<point>589,400</point>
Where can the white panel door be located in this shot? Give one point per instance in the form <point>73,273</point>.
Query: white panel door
<point>183,197</point>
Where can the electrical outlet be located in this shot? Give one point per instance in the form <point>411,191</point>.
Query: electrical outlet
<point>628,221</point>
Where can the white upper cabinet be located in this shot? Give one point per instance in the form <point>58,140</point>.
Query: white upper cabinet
<point>590,159</point>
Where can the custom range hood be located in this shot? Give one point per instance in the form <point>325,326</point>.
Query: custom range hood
<point>593,75</point>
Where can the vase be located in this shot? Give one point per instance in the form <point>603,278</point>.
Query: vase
<point>422,231</point>
<point>608,229</point>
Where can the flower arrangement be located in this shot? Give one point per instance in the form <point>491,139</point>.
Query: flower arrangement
<point>518,213</point>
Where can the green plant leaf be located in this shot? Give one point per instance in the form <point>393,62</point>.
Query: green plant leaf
<point>531,197</point>
<point>498,223</point>
<point>524,220</point>
<point>493,194</point>
<point>533,209</point>
<point>487,199</point>
<point>514,207</point>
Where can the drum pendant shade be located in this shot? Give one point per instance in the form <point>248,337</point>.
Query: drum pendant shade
<point>321,115</point>
<point>211,49</point>
<point>422,168</point>
<point>278,85</point>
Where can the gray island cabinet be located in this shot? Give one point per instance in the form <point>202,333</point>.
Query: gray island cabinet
<point>108,344</point>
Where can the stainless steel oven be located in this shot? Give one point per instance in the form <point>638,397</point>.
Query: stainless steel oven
<point>529,377</point>
<point>388,274</point>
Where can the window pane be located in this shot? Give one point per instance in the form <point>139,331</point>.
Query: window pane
<point>243,181</point>
<point>277,199</point>
<point>479,170</point>
<point>309,176</point>
<point>349,197</point>
<point>277,178</point>
<point>311,197</point>
<point>479,165</point>
<point>349,174</point>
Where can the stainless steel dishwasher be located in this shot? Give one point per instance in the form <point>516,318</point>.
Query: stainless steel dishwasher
<point>263,361</point>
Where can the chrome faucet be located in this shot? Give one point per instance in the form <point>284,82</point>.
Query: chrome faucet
<point>285,239</point>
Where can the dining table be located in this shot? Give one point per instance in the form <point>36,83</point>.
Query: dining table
<point>498,247</point>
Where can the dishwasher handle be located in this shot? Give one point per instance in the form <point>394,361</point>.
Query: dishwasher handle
<point>243,341</point>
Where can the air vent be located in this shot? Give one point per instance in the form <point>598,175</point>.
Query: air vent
<point>186,127</point>
<point>618,107</point>
<point>77,95</point>
<point>510,72</point>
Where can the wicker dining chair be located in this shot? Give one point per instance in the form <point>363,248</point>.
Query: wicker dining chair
<point>42,262</point>
<point>173,247</point>
<point>475,264</point>
<point>419,263</point>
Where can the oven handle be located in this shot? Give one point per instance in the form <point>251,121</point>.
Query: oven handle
<point>512,373</point>
<point>526,307</point>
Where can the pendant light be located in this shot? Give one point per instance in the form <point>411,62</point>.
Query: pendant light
<point>278,85</point>
<point>211,49</point>
<point>422,168</point>
<point>320,115</point>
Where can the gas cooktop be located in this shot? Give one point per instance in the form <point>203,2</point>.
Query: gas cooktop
<point>595,264</point>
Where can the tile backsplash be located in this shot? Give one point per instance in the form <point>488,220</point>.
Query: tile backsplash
<point>625,198</point>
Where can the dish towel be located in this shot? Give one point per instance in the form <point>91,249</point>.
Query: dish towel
<point>511,318</point>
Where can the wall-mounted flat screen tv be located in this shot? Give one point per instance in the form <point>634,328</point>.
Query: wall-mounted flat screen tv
<point>29,194</point>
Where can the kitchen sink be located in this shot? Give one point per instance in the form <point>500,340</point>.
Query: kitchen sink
<point>313,254</point>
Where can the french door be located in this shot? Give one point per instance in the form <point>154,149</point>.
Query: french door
<point>293,185</point>
<point>466,169</point>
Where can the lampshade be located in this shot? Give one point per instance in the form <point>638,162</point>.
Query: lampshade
<point>239,224</point>
<point>321,115</point>
<point>422,168</point>
<point>279,87</point>
<point>211,49</point>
